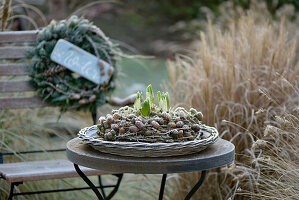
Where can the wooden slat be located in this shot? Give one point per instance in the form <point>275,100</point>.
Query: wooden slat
<point>43,170</point>
<point>13,52</point>
<point>15,86</point>
<point>18,36</point>
<point>31,2</point>
<point>13,69</point>
<point>21,102</point>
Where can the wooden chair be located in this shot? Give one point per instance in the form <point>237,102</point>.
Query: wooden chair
<point>13,49</point>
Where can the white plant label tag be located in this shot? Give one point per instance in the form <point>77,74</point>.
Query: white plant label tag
<point>81,62</point>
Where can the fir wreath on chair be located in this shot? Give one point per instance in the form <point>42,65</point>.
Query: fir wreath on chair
<point>60,86</point>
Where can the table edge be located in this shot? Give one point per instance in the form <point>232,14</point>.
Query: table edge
<point>150,167</point>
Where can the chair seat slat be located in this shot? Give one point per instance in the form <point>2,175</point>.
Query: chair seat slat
<point>14,52</point>
<point>13,69</point>
<point>15,86</point>
<point>21,102</point>
<point>18,36</point>
<point>43,170</point>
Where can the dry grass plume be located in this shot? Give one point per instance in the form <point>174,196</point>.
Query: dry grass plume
<point>5,14</point>
<point>241,78</point>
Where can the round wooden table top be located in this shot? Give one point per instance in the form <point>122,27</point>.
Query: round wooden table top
<point>216,155</point>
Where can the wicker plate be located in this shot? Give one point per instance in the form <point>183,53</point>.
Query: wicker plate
<point>142,149</point>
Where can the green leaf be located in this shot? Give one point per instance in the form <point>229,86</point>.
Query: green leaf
<point>164,103</point>
<point>146,110</point>
<point>150,95</point>
<point>161,101</point>
<point>167,100</point>
<point>159,96</point>
<point>137,104</point>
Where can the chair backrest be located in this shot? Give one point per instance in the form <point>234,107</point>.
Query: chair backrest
<point>14,46</point>
<point>13,62</point>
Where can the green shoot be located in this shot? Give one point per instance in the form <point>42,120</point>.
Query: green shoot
<point>150,96</point>
<point>159,96</point>
<point>148,105</point>
<point>146,110</point>
<point>164,103</point>
<point>160,100</point>
<point>167,101</point>
<point>137,104</point>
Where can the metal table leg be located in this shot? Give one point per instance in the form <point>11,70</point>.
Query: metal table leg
<point>12,186</point>
<point>113,192</point>
<point>162,186</point>
<point>196,186</point>
<point>89,183</point>
<point>192,191</point>
<point>102,188</point>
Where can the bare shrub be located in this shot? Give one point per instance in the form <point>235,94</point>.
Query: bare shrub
<point>240,78</point>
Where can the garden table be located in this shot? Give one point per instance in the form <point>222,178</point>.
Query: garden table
<point>216,155</point>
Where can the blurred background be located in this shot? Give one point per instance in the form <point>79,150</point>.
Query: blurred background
<point>154,28</point>
<point>234,60</point>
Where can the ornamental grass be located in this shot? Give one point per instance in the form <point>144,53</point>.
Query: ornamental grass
<point>244,79</point>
